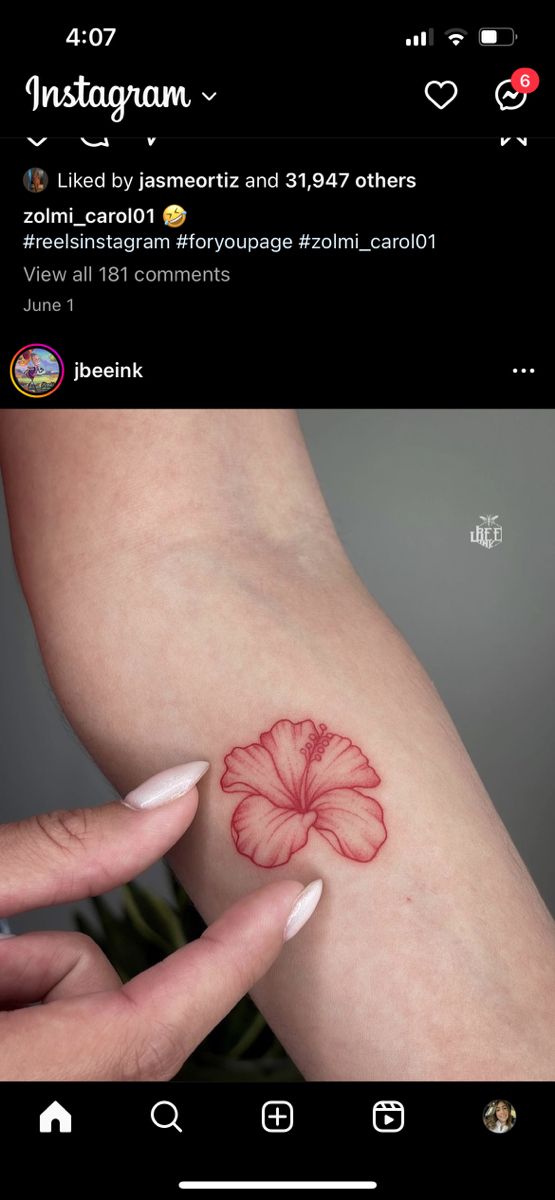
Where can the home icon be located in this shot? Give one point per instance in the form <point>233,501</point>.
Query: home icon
<point>55,1119</point>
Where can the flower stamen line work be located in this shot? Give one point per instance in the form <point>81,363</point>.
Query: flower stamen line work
<point>316,744</point>
<point>299,776</point>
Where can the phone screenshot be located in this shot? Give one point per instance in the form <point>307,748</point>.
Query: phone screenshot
<point>276,374</point>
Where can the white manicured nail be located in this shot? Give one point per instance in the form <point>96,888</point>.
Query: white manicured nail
<point>303,909</point>
<point>166,786</point>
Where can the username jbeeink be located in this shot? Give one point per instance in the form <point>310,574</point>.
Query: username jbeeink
<point>115,371</point>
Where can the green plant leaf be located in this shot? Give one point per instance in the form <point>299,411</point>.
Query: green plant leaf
<point>180,895</point>
<point>140,924</point>
<point>126,955</point>
<point>248,1037</point>
<point>229,1070</point>
<point>157,915</point>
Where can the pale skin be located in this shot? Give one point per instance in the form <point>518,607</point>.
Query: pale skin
<point>64,1013</point>
<point>189,590</point>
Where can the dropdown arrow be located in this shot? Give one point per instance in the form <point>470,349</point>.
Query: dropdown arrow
<point>207,97</point>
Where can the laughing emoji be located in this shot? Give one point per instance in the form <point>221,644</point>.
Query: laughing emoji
<point>174,216</point>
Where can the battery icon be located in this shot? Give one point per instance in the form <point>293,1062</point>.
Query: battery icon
<point>502,36</point>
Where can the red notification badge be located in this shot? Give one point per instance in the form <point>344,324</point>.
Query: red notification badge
<point>525,79</point>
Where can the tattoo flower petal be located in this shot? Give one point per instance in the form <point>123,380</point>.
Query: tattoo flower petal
<point>351,823</point>
<point>269,835</point>
<point>342,765</point>
<point>298,777</point>
<point>252,769</point>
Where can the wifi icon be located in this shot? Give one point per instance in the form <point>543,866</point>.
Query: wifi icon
<point>456,36</point>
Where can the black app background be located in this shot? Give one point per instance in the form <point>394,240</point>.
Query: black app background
<point>452,325</point>
<point>456,322</point>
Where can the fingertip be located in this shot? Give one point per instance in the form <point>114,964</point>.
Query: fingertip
<point>303,908</point>
<point>166,787</point>
<point>283,906</point>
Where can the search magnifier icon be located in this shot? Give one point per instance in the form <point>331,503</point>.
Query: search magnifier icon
<point>165,1124</point>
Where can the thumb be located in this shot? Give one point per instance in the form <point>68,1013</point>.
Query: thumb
<point>194,988</point>
<point>146,1029</point>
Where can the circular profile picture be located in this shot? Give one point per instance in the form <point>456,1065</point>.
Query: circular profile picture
<point>499,1116</point>
<point>35,179</point>
<point>36,370</point>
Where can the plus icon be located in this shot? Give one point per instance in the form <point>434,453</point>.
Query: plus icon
<point>277,1116</point>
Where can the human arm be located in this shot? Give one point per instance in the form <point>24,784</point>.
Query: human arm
<point>189,591</point>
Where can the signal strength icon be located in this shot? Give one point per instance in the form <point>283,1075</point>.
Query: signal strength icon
<point>425,38</point>
<point>456,36</point>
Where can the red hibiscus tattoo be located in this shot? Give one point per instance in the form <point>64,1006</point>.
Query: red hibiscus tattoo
<point>300,777</point>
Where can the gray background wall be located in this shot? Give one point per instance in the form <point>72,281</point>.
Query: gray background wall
<point>405,487</point>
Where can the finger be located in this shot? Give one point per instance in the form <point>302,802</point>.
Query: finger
<point>148,1028</point>
<point>68,855</point>
<point>194,988</point>
<point>44,967</point>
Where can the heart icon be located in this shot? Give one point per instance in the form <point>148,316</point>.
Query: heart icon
<point>434,92</point>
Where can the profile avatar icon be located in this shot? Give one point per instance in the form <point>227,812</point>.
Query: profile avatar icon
<point>499,1116</point>
<point>35,179</point>
<point>36,370</point>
